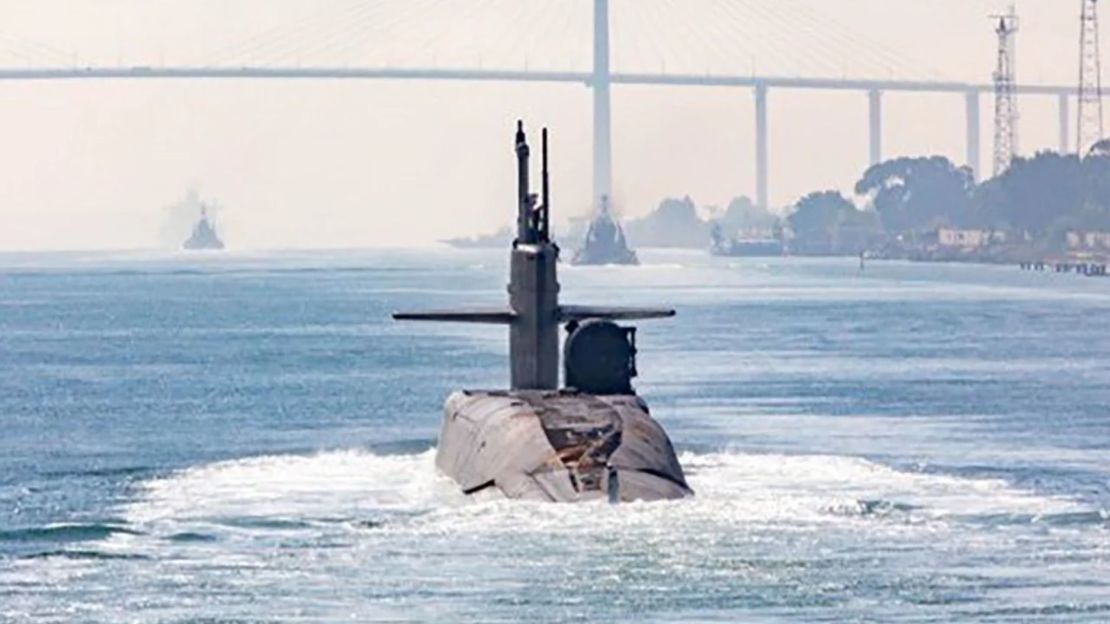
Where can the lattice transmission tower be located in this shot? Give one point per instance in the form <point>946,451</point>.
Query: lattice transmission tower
<point>1005,92</point>
<point>1090,80</point>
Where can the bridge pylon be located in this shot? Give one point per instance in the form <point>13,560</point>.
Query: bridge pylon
<point>761,140</point>
<point>974,135</point>
<point>600,83</point>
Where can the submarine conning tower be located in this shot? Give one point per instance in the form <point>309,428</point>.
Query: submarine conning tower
<point>533,285</point>
<point>593,438</point>
<point>534,313</point>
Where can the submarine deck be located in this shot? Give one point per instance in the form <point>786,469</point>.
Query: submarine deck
<point>558,446</point>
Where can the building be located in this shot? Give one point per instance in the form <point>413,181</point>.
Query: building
<point>968,239</point>
<point>1088,240</point>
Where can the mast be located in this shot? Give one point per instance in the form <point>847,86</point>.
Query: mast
<point>525,200</point>
<point>1005,94</point>
<point>545,208</point>
<point>1090,126</point>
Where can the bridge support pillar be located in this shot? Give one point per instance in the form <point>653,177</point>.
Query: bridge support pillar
<point>973,134</point>
<point>875,118</point>
<point>603,147</point>
<point>1065,130</point>
<point>761,166</point>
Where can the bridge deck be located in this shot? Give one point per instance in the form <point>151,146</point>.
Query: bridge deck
<point>510,75</point>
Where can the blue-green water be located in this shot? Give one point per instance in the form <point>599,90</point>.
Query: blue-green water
<point>248,437</point>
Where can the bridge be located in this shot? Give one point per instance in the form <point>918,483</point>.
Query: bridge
<point>600,79</point>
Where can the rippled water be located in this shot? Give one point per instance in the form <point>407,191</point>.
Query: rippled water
<point>240,437</point>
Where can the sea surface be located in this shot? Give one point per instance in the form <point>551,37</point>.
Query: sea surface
<point>242,437</point>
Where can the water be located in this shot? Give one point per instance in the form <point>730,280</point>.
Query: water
<point>247,437</point>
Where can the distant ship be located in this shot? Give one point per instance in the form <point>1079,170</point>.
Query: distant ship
<point>497,240</point>
<point>743,247</point>
<point>204,234</point>
<point>605,242</point>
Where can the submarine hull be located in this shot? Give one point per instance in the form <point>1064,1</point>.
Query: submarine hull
<point>558,446</point>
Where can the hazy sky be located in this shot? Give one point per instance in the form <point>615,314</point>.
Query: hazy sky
<point>320,164</point>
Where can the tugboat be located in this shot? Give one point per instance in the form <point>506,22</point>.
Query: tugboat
<point>605,242</point>
<point>593,438</point>
<point>204,234</point>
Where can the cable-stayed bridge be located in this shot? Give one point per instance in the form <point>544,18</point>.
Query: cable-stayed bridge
<point>388,25</point>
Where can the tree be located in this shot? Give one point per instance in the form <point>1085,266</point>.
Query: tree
<point>743,214</point>
<point>1095,211</point>
<point>912,194</point>
<point>827,223</point>
<point>1035,192</point>
<point>675,223</point>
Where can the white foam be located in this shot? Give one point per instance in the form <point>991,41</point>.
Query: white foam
<point>732,489</point>
<point>801,485</point>
<point>321,485</point>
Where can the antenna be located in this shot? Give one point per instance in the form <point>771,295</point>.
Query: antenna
<point>1005,93</point>
<point>545,210</point>
<point>1090,127</point>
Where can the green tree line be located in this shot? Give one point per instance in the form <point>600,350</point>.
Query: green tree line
<point>1038,198</point>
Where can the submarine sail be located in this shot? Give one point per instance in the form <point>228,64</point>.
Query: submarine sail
<point>593,438</point>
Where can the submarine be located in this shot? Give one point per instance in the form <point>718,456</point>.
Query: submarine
<point>592,438</point>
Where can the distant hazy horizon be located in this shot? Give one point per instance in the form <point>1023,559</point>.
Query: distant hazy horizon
<point>301,164</point>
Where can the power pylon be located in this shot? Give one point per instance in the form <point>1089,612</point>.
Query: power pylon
<point>1090,80</point>
<point>1005,93</point>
